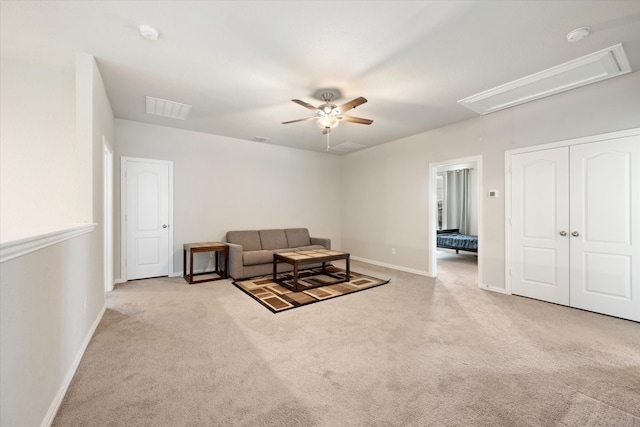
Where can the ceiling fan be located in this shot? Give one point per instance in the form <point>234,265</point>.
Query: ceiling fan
<point>328,115</point>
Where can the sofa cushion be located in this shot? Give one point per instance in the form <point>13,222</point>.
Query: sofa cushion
<point>273,239</point>
<point>297,237</point>
<point>277,251</point>
<point>257,257</point>
<point>310,248</point>
<point>249,239</point>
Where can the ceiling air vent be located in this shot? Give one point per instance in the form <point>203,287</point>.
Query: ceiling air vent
<point>601,65</point>
<point>165,108</point>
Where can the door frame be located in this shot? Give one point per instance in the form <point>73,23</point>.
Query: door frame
<point>508,184</point>
<point>433,167</point>
<point>123,211</point>
<point>107,213</point>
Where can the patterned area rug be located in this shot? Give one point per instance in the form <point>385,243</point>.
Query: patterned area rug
<point>278,298</point>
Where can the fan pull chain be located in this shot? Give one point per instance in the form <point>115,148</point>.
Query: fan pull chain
<point>328,140</point>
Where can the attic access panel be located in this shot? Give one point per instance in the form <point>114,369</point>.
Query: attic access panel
<point>592,68</point>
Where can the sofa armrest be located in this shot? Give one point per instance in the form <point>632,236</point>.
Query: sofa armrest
<point>321,241</point>
<point>236,262</point>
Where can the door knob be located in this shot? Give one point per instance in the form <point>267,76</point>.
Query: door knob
<point>563,233</point>
<point>575,234</point>
<point>164,225</point>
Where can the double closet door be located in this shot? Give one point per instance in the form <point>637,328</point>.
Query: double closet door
<point>575,226</point>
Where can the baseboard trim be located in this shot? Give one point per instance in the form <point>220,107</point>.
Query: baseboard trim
<point>395,267</point>
<point>172,274</point>
<point>196,271</point>
<point>62,391</point>
<point>493,289</point>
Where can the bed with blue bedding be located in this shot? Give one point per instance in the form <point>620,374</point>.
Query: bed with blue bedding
<point>452,239</point>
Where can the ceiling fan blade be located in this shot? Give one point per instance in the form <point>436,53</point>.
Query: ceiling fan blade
<point>351,104</point>
<point>299,120</point>
<point>305,105</point>
<point>355,120</point>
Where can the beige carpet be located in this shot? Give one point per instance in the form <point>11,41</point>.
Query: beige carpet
<point>415,352</point>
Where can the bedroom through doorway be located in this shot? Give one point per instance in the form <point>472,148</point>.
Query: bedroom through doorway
<point>455,224</point>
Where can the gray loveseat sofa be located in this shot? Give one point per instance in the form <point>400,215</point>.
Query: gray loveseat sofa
<point>251,251</point>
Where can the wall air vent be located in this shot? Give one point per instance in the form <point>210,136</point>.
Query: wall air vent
<point>597,66</point>
<point>165,108</point>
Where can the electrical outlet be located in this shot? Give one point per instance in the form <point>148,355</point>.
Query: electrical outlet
<point>393,251</point>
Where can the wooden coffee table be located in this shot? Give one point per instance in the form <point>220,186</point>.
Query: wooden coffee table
<point>313,256</point>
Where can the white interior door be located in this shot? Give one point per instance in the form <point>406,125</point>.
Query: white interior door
<point>605,247</point>
<point>540,225</point>
<point>147,219</point>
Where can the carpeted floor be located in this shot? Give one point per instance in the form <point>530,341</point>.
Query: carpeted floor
<point>414,352</point>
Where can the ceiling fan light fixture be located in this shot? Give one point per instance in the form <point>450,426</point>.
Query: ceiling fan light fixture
<point>329,115</point>
<point>327,122</point>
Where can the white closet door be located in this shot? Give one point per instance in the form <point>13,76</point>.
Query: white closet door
<point>540,225</point>
<point>605,246</point>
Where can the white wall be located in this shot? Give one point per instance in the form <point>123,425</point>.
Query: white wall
<point>385,188</point>
<point>223,184</point>
<point>37,146</point>
<point>51,299</point>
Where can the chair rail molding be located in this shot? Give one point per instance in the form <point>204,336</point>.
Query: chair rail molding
<point>17,244</point>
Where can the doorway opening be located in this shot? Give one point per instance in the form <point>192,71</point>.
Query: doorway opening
<point>455,190</point>
<point>107,213</point>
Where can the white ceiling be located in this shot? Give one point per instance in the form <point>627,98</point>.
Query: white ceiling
<point>239,63</point>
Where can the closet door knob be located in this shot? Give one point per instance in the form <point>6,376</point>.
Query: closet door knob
<point>575,234</point>
<point>563,233</point>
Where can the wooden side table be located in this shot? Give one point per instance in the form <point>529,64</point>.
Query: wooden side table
<point>216,247</point>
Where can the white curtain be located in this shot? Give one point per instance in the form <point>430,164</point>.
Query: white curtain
<point>457,209</point>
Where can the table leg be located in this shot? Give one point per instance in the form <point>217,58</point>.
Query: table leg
<point>191,267</point>
<point>184,262</point>
<point>226,261</point>
<point>275,263</point>
<point>295,277</point>
<point>348,270</point>
<point>216,255</point>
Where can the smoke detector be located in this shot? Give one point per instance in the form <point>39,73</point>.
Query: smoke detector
<point>578,34</point>
<point>148,32</point>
